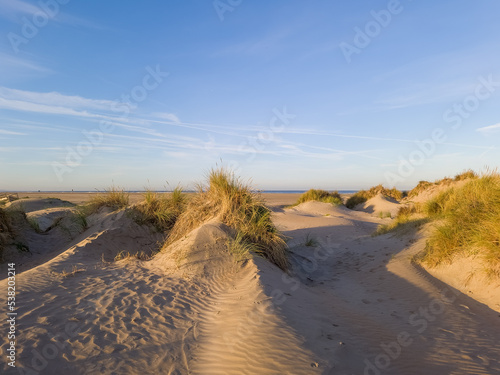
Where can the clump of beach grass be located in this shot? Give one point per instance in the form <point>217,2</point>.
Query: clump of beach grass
<point>363,195</point>
<point>320,196</point>
<point>470,223</point>
<point>233,203</point>
<point>114,198</point>
<point>160,209</point>
<point>408,219</point>
<point>310,241</point>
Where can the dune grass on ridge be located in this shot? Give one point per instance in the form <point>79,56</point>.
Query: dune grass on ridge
<point>234,204</point>
<point>320,196</point>
<point>114,198</point>
<point>471,222</point>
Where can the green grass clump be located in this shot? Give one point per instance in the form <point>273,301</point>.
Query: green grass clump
<point>320,196</point>
<point>470,217</point>
<point>113,198</point>
<point>160,210</point>
<point>234,204</point>
<point>310,241</point>
<point>363,195</point>
<point>407,220</point>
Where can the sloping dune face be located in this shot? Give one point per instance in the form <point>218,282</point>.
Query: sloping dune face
<point>191,309</point>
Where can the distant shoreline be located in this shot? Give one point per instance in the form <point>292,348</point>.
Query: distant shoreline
<point>158,191</point>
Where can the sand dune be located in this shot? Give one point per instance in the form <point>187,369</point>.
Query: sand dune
<point>351,304</point>
<point>379,204</point>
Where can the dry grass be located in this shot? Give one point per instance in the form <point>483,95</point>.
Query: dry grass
<point>140,255</point>
<point>466,175</point>
<point>114,198</point>
<point>363,195</point>
<point>160,210</point>
<point>320,196</point>
<point>234,204</point>
<point>471,222</point>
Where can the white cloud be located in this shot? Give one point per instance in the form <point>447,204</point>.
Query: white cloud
<point>55,99</point>
<point>489,129</point>
<point>2,131</point>
<point>9,63</point>
<point>167,116</point>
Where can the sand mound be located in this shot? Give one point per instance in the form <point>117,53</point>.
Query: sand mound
<point>202,252</point>
<point>433,190</point>
<point>379,204</point>
<point>316,208</point>
<point>37,204</point>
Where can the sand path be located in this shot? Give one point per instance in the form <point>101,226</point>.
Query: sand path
<point>390,316</point>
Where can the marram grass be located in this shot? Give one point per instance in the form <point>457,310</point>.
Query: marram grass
<point>470,217</point>
<point>233,203</point>
<point>320,196</point>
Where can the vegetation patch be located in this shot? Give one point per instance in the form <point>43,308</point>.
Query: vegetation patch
<point>160,210</point>
<point>234,204</point>
<point>320,196</point>
<point>113,198</point>
<point>470,217</point>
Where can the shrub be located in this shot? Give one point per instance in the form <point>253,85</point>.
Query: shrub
<point>234,204</point>
<point>320,196</point>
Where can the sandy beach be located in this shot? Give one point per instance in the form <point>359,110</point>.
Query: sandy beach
<point>351,303</point>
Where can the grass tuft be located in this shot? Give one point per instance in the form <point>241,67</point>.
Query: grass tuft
<point>310,241</point>
<point>114,198</point>
<point>234,204</point>
<point>160,210</point>
<point>320,196</point>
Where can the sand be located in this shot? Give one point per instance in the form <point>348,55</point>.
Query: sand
<point>351,304</point>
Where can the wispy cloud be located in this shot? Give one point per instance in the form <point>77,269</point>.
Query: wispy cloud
<point>12,9</point>
<point>55,99</point>
<point>8,132</point>
<point>10,63</point>
<point>489,129</point>
<point>166,116</point>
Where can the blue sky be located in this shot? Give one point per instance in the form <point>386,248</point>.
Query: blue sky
<point>290,94</point>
